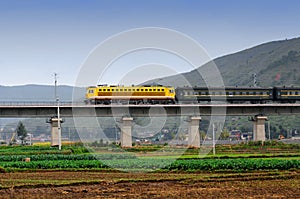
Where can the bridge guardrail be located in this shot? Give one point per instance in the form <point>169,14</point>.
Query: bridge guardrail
<point>38,103</point>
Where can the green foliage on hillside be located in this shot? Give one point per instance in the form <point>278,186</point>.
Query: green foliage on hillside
<point>275,64</point>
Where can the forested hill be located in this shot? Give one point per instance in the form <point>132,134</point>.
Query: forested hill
<point>275,63</point>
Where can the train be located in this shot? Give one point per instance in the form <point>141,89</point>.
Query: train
<point>147,94</point>
<point>159,94</point>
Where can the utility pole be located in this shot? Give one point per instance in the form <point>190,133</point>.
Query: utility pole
<point>55,85</point>
<point>269,129</point>
<point>254,80</point>
<point>214,141</point>
<point>58,112</point>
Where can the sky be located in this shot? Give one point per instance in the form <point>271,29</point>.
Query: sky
<point>41,37</point>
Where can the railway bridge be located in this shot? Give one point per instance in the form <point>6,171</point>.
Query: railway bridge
<point>258,113</point>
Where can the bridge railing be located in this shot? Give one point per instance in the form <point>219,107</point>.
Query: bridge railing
<point>39,103</point>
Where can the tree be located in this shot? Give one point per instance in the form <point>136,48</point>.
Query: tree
<point>224,134</point>
<point>21,132</point>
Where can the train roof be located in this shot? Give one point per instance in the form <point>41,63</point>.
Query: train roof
<point>289,87</point>
<point>129,86</point>
<point>224,88</point>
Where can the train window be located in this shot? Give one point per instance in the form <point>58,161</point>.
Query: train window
<point>112,89</point>
<point>117,89</point>
<point>296,93</point>
<point>146,89</point>
<point>100,89</point>
<point>104,89</point>
<point>91,91</point>
<point>158,89</point>
<point>121,89</point>
<point>142,89</point>
<point>129,89</point>
<point>150,89</point>
<point>154,89</point>
<point>125,89</point>
<point>133,89</point>
<point>162,89</point>
<point>108,89</point>
<point>137,89</point>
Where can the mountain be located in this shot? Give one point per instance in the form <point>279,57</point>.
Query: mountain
<point>274,63</point>
<point>37,93</point>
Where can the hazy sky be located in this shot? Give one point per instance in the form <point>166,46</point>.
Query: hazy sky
<point>40,37</point>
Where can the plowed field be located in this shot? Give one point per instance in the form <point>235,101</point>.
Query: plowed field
<point>91,184</point>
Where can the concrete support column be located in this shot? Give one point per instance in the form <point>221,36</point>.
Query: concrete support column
<point>126,128</point>
<point>55,131</point>
<point>194,136</point>
<point>259,133</point>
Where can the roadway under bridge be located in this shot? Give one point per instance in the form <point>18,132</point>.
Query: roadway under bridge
<point>128,112</point>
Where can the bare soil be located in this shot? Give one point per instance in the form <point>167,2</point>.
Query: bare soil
<point>93,184</point>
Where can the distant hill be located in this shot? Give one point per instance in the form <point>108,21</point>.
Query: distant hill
<point>36,93</point>
<point>275,64</point>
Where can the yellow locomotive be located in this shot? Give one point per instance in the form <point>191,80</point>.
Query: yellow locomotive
<point>147,94</point>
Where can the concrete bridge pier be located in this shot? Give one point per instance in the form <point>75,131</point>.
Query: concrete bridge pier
<point>193,130</point>
<point>126,128</point>
<point>259,133</point>
<point>55,131</point>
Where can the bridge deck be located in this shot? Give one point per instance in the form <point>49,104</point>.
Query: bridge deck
<point>70,110</point>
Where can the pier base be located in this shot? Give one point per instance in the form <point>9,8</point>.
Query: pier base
<point>126,128</point>
<point>55,131</point>
<point>259,133</point>
<point>194,136</point>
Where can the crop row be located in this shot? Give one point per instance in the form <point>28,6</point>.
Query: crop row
<point>236,164</point>
<point>166,164</point>
<point>51,157</point>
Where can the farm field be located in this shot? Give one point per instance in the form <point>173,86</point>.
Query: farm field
<point>241,171</point>
<point>91,184</point>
